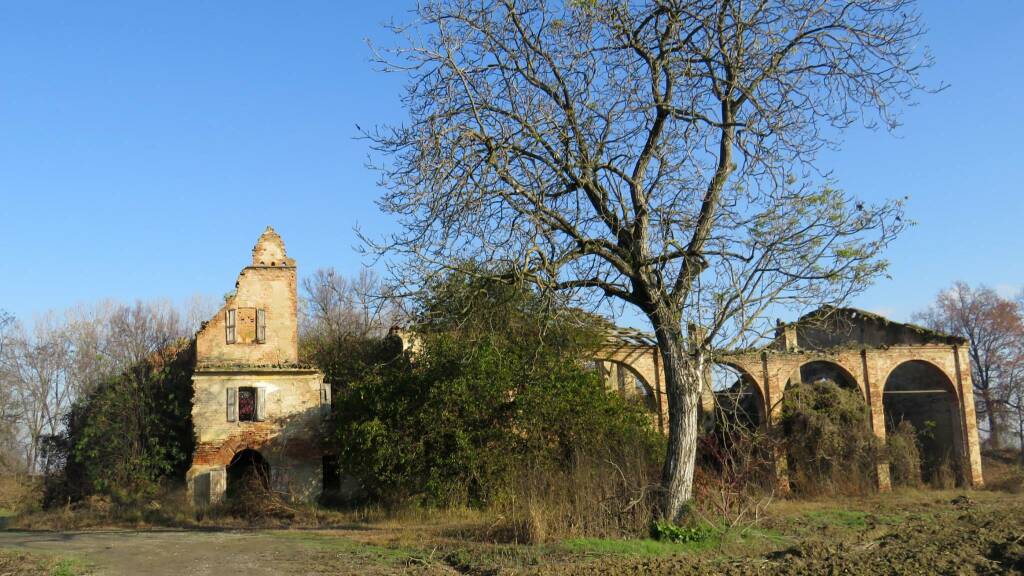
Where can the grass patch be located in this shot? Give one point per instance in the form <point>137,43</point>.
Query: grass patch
<point>850,518</point>
<point>64,568</point>
<point>16,563</point>
<point>645,547</point>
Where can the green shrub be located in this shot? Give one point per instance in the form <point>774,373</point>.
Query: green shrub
<point>667,531</point>
<point>127,436</point>
<point>495,407</point>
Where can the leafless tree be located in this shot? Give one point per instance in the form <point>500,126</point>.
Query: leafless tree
<point>38,362</point>
<point>994,329</point>
<point>198,309</point>
<point>333,305</point>
<point>9,410</point>
<point>63,356</point>
<point>659,153</point>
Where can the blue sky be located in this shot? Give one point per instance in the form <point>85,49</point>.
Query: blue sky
<point>145,146</point>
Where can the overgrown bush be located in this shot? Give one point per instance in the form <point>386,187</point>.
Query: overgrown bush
<point>498,409</point>
<point>904,454</point>
<point>130,434</point>
<point>827,439</point>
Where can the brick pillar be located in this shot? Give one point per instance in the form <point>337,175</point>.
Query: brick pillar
<point>874,388</point>
<point>968,418</point>
<point>773,409</point>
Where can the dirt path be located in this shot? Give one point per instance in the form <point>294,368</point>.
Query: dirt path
<point>911,533</point>
<point>191,553</point>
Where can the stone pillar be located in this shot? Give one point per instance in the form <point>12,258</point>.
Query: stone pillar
<point>874,388</point>
<point>968,418</point>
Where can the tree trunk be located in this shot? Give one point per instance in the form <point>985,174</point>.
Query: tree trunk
<point>683,384</point>
<point>993,419</point>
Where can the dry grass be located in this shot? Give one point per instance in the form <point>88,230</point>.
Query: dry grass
<point>594,497</point>
<point>1004,471</point>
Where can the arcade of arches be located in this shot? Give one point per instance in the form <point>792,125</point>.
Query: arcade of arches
<point>904,372</point>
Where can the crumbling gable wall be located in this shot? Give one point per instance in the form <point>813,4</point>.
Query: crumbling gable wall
<point>832,327</point>
<point>250,393</point>
<point>268,284</point>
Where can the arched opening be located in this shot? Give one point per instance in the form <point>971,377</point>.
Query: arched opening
<point>248,474</point>
<point>734,447</point>
<point>825,432</point>
<point>624,379</point>
<point>922,415</point>
<point>738,399</point>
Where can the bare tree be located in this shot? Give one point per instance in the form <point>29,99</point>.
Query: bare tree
<point>333,305</point>
<point>994,329</point>
<point>659,153</point>
<point>9,409</point>
<point>63,356</point>
<point>38,364</point>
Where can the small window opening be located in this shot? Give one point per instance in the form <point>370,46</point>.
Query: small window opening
<point>247,404</point>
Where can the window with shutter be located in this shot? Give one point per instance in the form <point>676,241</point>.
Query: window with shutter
<point>261,326</point>
<point>232,404</point>
<point>229,326</point>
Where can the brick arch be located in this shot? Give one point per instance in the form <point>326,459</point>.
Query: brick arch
<point>644,362</point>
<point>950,378</point>
<point>845,370</point>
<point>228,449</point>
<point>749,375</point>
<point>940,404</point>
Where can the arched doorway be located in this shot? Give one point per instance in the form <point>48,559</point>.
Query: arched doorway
<point>734,445</point>
<point>248,471</point>
<point>919,400</point>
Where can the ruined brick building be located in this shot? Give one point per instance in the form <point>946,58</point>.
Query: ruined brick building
<point>255,407</point>
<point>902,371</point>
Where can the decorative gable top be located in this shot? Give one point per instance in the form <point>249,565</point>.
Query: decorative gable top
<point>269,250</point>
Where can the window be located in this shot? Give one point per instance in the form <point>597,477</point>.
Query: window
<point>247,404</point>
<point>261,326</point>
<point>229,326</point>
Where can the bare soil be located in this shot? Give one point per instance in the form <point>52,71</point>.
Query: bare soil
<point>922,532</point>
